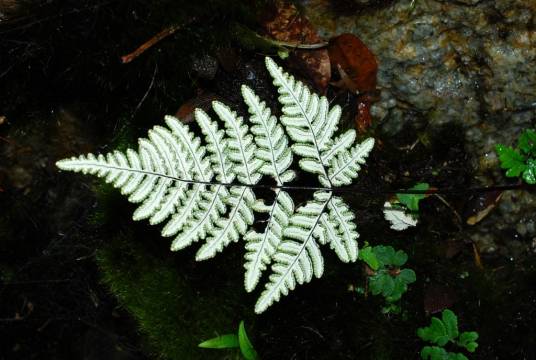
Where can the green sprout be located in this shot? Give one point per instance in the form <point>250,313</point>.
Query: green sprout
<point>387,278</point>
<point>233,341</point>
<point>441,332</point>
<point>411,201</point>
<point>521,160</point>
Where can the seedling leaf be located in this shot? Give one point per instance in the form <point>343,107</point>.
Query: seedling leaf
<point>412,200</point>
<point>246,348</point>
<point>227,341</point>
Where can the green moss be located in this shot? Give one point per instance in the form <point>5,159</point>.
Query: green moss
<point>174,310</point>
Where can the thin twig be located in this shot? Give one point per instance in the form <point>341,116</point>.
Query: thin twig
<point>300,46</point>
<point>170,30</point>
<point>458,217</point>
<point>146,92</point>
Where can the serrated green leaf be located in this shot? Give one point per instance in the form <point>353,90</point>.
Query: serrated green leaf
<point>511,160</point>
<point>468,340</point>
<point>527,142</point>
<point>367,255</point>
<point>376,283</point>
<point>399,288</point>
<point>384,254</point>
<point>434,353</point>
<point>227,341</point>
<point>246,348</point>
<point>407,276</point>
<point>450,320</point>
<point>471,347</point>
<point>529,174</point>
<point>388,284</point>
<point>438,353</point>
<point>435,333</point>
<point>399,258</point>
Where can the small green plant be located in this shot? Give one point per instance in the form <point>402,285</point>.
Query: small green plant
<point>521,160</point>
<point>233,341</point>
<point>441,332</point>
<point>403,210</point>
<point>411,201</point>
<point>385,274</point>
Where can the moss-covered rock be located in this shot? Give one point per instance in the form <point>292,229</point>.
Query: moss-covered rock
<point>174,310</point>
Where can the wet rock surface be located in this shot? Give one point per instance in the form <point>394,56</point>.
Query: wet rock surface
<point>470,63</point>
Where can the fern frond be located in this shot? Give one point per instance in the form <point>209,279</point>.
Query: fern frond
<point>260,247</point>
<point>202,188</point>
<point>298,257</point>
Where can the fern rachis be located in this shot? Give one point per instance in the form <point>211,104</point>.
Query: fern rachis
<point>205,192</point>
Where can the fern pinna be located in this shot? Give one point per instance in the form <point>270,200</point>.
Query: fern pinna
<point>205,192</point>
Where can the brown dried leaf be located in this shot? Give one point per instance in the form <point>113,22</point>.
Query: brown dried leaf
<point>349,54</point>
<point>482,205</point>
<point>285,23</point>
<point>357,67</point>
<point>203,101</point>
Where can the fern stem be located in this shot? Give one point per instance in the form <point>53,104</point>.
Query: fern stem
<point>343,189</point>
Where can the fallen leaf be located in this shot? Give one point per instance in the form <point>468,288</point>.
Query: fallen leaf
<point>285,23</point>
<point>349,53</point>
<point>481,205</point>
<point>203,101</point>
<point>357,68</point>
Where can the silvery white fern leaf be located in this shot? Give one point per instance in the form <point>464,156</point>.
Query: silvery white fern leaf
<point>398,217</point>
<point>203,190</point>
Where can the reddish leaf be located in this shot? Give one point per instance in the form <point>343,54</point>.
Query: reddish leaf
<point>349,54</point>
<point>285,23</point>
<point>481,205</point>
<point>202,101</point>
<point>357,67</point>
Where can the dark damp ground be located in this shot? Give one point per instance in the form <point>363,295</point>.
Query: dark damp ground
<point>68,243</point>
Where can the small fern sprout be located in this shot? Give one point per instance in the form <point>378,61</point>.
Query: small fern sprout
<point>202,189</point>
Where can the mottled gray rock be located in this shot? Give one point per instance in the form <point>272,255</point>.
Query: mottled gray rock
<point>470,62</point>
